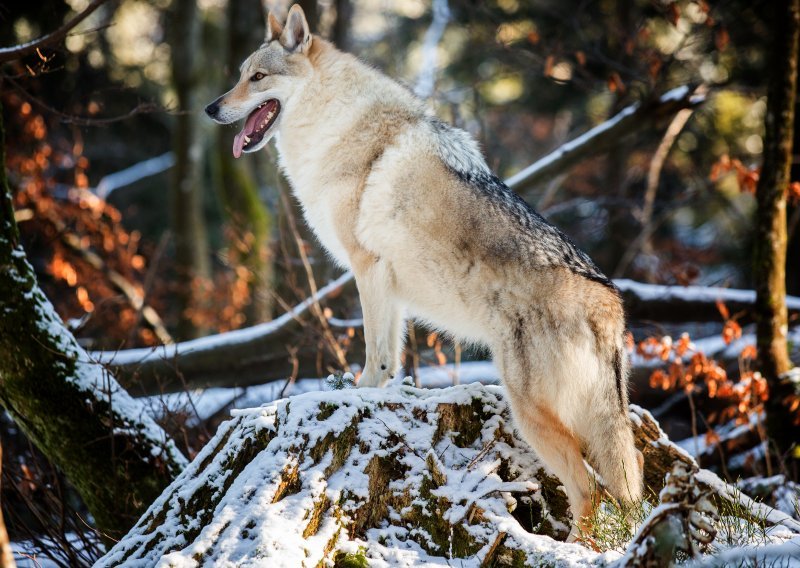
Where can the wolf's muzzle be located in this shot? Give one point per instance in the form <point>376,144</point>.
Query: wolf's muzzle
<point>213,109</point>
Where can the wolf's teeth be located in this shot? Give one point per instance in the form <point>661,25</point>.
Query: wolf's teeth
<point>246,139</point>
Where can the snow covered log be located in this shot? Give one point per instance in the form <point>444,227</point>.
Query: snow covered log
<point>399,476</point>
<point>660,457</point>
<point>260,354</point>
<point>688,303</point>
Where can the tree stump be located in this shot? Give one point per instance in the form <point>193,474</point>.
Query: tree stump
<point>399,475</point>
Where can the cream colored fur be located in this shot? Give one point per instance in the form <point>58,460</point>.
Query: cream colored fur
<point>376,184</point>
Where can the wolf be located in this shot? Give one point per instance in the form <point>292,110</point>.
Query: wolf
<point>408,203</point>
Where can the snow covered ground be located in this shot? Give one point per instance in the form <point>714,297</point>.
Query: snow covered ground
<point>202,404</point>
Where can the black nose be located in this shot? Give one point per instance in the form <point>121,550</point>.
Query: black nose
<point>213,109</point>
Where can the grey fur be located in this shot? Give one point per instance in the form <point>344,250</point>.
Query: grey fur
<point>546,246</point>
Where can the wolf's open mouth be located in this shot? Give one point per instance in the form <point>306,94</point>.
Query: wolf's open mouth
<point>256,126</point>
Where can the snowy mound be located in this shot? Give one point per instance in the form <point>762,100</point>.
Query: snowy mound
<point>403,476</point>
<point>408,477</point>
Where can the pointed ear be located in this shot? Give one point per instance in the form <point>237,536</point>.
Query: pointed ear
<point>274,28</point>
<point>296,35</point>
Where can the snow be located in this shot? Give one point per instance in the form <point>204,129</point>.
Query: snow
<point>769,514</point>
<point>168,352</point>
<point>201,404</point>
<point>134,173</point>
<point>586,138</point>
<point>705,294</point>
<point>784,554</point>
<point>430,47</point>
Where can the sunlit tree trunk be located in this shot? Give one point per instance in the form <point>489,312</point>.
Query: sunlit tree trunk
<point>189,227</point>
<point>770,243</point>
<point>75,412</point>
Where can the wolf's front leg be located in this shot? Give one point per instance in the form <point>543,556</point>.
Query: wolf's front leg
<point>382,323</point>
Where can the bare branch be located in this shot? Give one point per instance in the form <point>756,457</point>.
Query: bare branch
<point>141,108</point>
<point>128,289</point>
<point>602,137</point>
<point>18,51</point>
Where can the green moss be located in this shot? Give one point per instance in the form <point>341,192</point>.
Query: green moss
<point>197,511</point>
<point>447,538</point>
<point>351,559</point>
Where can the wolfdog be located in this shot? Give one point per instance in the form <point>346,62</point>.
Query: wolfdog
<point>408,203</point>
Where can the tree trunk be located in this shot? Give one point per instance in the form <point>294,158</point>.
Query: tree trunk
<point>770,238</point>
<point>189,227</point>
<point>342,476</point>
<point>6,555</point>
<point>310,9</point>
<point>106,443</point>
<point>340,34</point>
<point>237,185</point>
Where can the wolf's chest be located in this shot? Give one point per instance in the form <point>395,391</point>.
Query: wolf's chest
<point>318,198</point>
<point>320,216</point>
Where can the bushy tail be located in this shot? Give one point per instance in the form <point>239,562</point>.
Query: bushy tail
<point>611,448</point>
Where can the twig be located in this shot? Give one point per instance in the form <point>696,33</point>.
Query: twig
<point>316,306</point>
<point>121,283</point>
<point>142,108</point>
<point>149,279</point>
<point>18,51</point>
<point>653,176</point>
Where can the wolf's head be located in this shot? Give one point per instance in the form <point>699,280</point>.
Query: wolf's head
<point>269,78</point>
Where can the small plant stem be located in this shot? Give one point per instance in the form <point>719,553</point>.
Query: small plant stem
<point>694,424</point>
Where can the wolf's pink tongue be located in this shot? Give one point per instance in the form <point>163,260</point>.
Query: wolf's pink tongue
<point>238,144</point>
<point>249,128</point>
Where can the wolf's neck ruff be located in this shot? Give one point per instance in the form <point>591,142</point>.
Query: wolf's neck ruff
<point>256,125</point>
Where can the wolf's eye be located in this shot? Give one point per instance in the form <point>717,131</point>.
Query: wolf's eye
<point>257,77</point>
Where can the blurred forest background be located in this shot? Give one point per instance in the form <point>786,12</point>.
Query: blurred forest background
<point>143,231</point>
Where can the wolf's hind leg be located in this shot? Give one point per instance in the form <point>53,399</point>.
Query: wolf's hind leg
<point>382,321</point>
<point>560,451</point>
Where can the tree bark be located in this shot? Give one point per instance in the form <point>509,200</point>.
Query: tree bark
<point>189,227</point>
<point>770,238</point>
<point>106,443</point>
<point>340,34</point>
<point>6,555</point>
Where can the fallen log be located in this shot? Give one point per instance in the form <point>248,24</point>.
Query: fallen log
<point>397,476</point>
<point>275,350</point>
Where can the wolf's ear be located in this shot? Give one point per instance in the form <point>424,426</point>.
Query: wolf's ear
<point>274,28</point>
<point>296,35</point>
